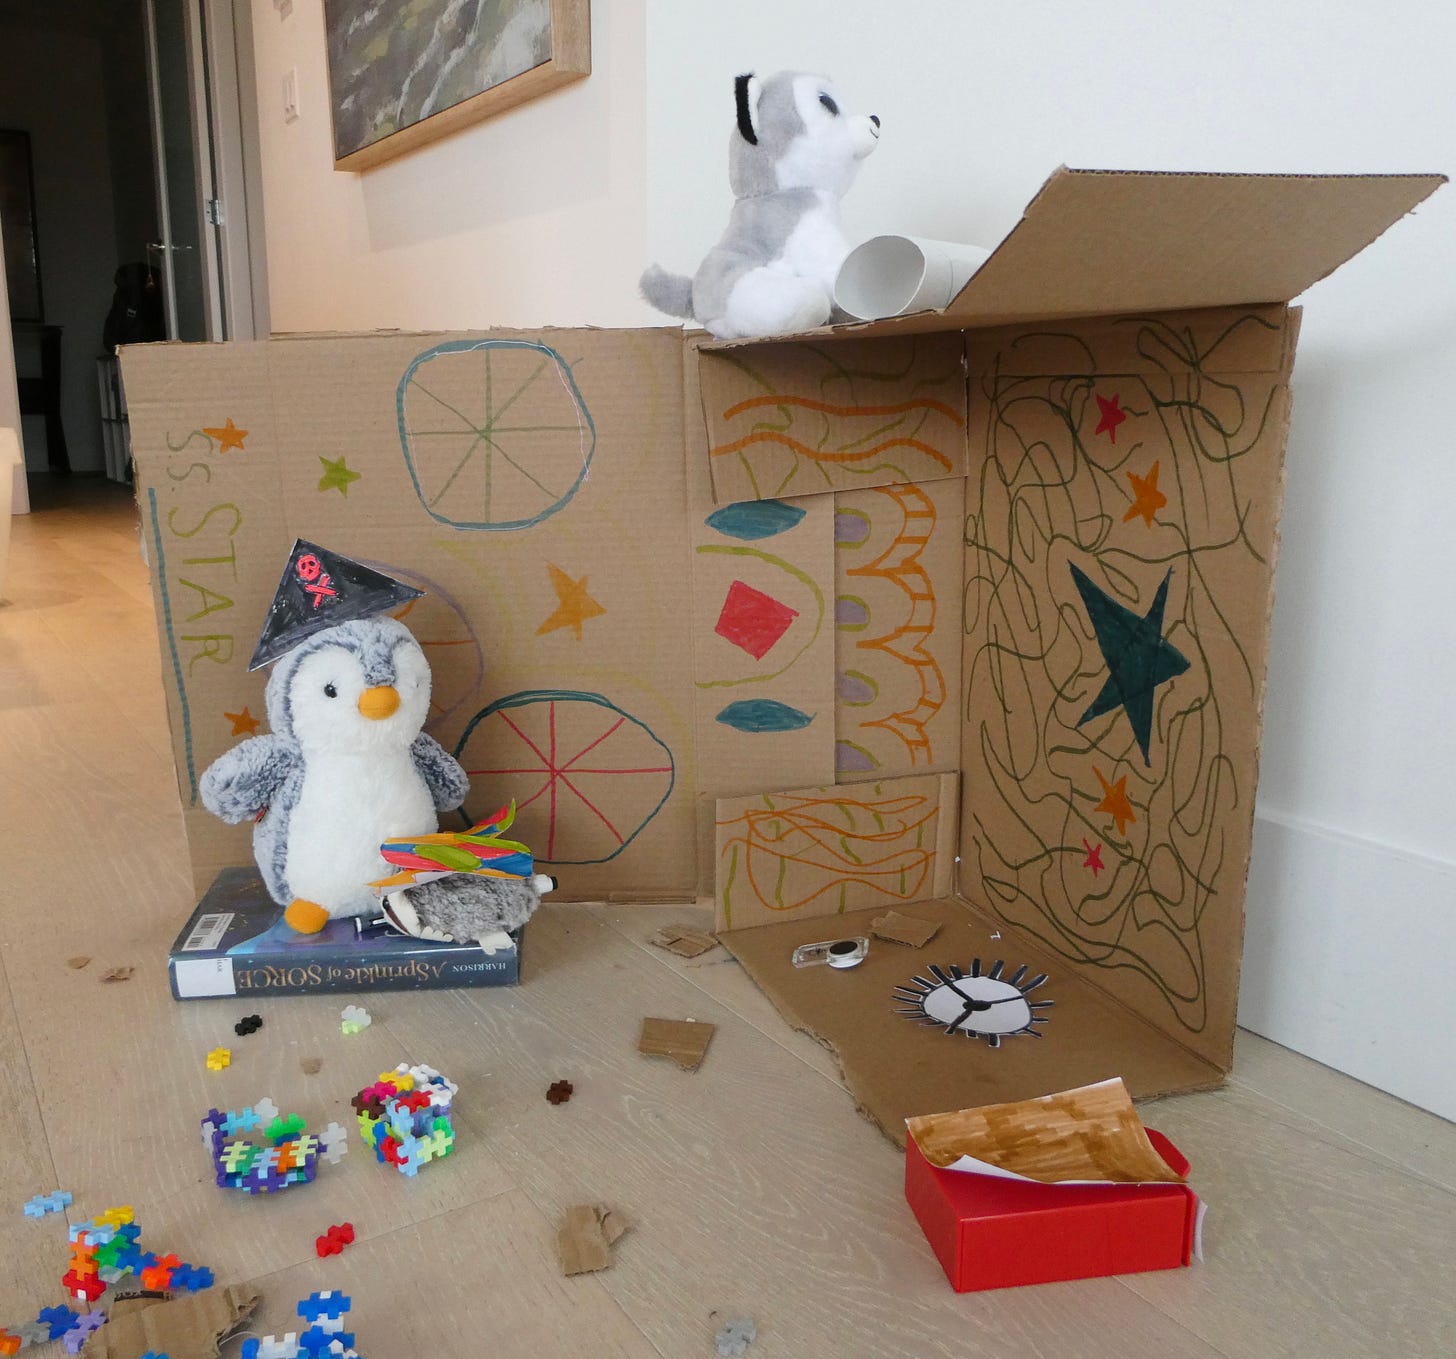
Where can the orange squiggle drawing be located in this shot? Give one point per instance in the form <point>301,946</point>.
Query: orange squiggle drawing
<point>900,564</point>
<point>923,403</point>
<point>772,436</point>
<point>791,850</point>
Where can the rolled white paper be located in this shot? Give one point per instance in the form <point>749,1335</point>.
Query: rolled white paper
<point>896,275</point>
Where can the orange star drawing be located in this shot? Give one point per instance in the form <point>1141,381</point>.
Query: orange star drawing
<point>244,723</point>
<point>1114,802</point>
<point>574,605</point>
<point>227,436</point>
<point>1112,416</point>
<point>1147,499</point>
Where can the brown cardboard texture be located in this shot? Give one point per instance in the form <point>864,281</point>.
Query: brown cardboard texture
<point>1092,1134</point>
<point>1022,548</point>
<point>190,1326</point>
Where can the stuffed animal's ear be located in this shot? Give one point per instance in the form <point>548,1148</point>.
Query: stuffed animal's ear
<point>747,91</point>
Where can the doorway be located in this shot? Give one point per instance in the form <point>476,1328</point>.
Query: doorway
<point>135,122</point>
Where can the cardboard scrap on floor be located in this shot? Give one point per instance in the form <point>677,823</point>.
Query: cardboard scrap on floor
<point>585,1238</point>
<point>187,1327</point>
<point>684,1040</point>
<point>1091,1135</point>
<point>78,962</point>
<point>117,974</point>
<point>311,1065</point>
<point>912,930</point>
<point>683,940</point>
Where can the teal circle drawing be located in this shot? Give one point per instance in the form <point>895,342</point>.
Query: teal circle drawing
<point>529,738</point>
<point>496,434</point>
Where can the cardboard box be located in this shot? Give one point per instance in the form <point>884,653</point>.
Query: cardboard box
<point>236,944</point>
<point>1022,547</point>
<point>998,1233</point>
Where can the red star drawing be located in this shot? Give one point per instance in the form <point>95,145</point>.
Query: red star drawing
<point>1094,858</point>
<point>1112,416</point>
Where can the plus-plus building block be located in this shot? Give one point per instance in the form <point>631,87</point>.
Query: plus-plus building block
<point>59,1320</point>
<point>219,1058</point>
<point>55,1202</point>
<point>248,1024</point>
<point>9,1343</point>
<point>335,1143</point>
<point>81,1329</point>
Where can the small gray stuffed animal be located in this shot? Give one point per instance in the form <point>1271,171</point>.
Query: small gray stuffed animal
<point>791,158</point>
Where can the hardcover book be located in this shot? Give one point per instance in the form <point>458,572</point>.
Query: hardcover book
<point>237,944</point>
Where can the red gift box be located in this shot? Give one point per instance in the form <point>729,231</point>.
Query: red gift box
<point>990,1232</point>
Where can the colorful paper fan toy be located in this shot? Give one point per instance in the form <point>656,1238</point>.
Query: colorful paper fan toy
<point>480,851</point>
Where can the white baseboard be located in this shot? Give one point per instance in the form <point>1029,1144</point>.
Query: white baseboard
<point>1350,958</point>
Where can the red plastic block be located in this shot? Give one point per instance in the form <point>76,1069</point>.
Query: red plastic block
<point>993,1233</point>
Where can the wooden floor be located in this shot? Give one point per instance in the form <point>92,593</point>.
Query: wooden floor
<point>752,1186</point>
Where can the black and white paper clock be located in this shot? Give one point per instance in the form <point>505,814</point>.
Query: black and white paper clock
<point>978,1005</point>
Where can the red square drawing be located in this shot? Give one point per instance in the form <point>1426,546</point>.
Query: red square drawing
<point>753,620</point>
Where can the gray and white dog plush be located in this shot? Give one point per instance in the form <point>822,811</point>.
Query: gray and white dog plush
<point>791,158</point>
<point>346,767</point>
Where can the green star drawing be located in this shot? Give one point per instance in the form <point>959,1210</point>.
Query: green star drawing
<point>337,475</point>
<point>1138,658</point>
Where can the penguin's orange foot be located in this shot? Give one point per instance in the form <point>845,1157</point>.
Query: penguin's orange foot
<point>307,917</point>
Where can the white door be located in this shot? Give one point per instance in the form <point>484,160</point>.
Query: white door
<point>204,139</point>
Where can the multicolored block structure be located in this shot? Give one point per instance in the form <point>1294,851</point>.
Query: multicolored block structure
<point>291,1156</point>
<point>325,1334</point>
<point>106,1250</point>
<point>405,1117</point>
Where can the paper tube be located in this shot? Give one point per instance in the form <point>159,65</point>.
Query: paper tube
<point>896,275</point>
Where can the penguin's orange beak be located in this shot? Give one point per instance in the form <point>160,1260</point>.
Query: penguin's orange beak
<point>379,702</point>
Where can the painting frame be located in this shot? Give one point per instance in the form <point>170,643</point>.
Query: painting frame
<point>568,62</point>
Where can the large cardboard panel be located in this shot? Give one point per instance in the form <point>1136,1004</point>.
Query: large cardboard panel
<point>898,1069</point>
<point>511,476</point>
<point>815,852</point>
<point>756,568</point>
<point>1121,535</point>
<point>1115,242</point>
<point>801,419</point>
<point>898,558</point>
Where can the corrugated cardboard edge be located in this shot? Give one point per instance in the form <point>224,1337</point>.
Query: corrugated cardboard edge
<point>187,1327</point>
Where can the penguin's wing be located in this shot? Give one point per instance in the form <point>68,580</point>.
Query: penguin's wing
<point>241,783</point>
<point>447,781</point>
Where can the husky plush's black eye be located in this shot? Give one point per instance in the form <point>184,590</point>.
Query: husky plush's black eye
<point>331,691</point>
<point>830,105</point>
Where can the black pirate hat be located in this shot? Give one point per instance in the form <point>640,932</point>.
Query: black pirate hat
<point>320,588</point>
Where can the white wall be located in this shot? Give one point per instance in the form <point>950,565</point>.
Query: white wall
<point>547,215</point>
<point>525,218</point>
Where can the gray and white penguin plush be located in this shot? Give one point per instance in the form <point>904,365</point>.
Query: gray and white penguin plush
<point>346,767</point>
<point>791,157</point>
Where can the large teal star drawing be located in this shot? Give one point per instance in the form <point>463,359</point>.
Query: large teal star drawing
<point>1137,655</point>
<point>337,475</point>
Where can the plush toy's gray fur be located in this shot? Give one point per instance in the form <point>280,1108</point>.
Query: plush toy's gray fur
<point>772,272</point>
<point>464,908</point>
<point>265,773</point>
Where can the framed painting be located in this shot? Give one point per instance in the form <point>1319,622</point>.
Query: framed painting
<point>402,75</point>
<point>17,220</point>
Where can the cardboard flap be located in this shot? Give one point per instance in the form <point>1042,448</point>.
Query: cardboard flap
<point>1106,242</point>
<point>1099,241</point>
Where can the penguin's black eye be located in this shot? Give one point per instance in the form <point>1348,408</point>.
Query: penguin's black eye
<point>331,691</point>
<point>830,105</point>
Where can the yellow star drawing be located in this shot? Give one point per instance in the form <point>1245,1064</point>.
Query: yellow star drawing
<point>574,605</point>
<point>244,723</point>
<point>1114,802</point>
<point>1147,499</point>
<point>227,436</point>
<point>337,475</point>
